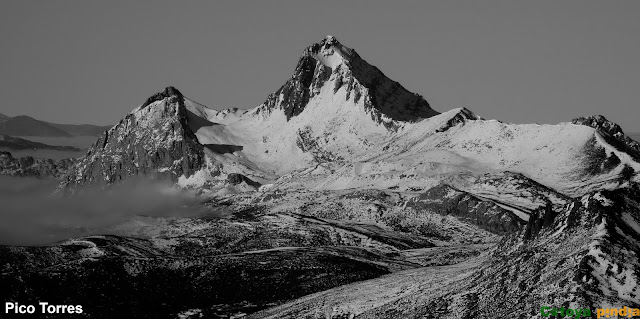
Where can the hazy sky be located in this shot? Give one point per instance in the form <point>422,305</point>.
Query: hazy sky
<point>516,61</point>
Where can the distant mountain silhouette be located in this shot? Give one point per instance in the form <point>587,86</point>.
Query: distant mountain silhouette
<point>16,143</point>
<point>23,125</point>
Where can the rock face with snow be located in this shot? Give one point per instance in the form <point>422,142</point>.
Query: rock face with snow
<point>338,109</point>
<point>154,139</point>
<point>445,200</point>
<point>329,60</point>
<point>612,132</point>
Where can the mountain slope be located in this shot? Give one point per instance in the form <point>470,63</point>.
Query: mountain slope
<point>27,126</point>
<point>583,256</point>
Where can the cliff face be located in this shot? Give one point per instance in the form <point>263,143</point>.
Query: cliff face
<point>153,140</point>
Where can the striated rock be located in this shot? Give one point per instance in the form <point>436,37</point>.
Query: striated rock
<point>446,200</point>
<point>463,116</point>
<point>153,140</point>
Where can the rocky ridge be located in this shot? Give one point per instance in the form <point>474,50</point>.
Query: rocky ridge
<point>34,167</point>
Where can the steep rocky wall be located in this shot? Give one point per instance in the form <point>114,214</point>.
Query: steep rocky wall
<point>153,140</point>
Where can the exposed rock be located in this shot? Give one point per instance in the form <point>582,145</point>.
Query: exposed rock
<point>235,179</point>
<point>35,167</point>
<point>153,140</point>
<point>330,60</point>
<point>445,200</point>
<point>612,132</point>
<point>463,116</point>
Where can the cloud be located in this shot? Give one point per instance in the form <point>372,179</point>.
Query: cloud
<point>30,215</point>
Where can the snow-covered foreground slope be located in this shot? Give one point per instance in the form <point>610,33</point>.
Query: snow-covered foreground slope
<point>584,256</point>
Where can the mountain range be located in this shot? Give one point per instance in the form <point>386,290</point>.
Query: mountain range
<point>344,195</point>
<point>23,125</point>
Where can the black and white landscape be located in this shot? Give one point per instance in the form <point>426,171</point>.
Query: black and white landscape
<point>343,195</point>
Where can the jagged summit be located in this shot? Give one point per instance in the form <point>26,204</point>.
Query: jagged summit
<point>154,139</point>
<point>600,123</point>
<point>330,52</point>
<point>612,132</point>
<point>169,91</point>
<point>331,66</point>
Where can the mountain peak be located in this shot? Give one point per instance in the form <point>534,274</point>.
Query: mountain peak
<point>600,123</point>
<point>330,52</point>
<point>134,146</point>
<point>169,91</point>
<point>612,132</point>
<point>330,64</point>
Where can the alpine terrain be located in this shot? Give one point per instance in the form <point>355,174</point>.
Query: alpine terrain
<point>343,195</point>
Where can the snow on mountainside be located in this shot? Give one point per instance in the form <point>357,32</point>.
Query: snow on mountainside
<point>581,256</point>
<point>338,123</point>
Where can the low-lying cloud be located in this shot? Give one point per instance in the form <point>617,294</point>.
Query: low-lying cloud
<point>29,215</point>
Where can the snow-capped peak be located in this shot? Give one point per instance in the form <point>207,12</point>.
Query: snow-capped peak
<point>343,72</point>
<point>330,52</point>
<point>169,91</point>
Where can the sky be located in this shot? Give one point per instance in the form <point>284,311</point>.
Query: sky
<point>515,61</point>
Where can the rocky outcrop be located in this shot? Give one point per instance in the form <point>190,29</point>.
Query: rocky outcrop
<point>34,167</point>
<point>460,118</point>
<point>153,140</point>
<point>235,179</point>
<point>612,133</point>
<point>445,200</point>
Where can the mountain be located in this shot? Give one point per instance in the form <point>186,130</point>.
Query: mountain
<point>16,143</point>
<point>338,110</point>
<point>154,139</point>
<point>329,60</point>
<point>27,126</point>
<point>81,129</point>
<point>342,195</point>
<point>23,125</point>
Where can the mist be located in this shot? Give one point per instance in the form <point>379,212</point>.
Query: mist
<point>30,215</point>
